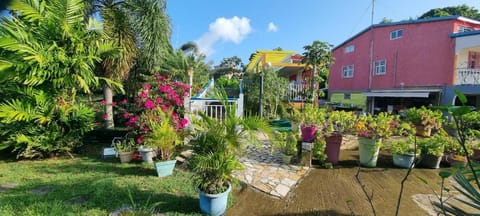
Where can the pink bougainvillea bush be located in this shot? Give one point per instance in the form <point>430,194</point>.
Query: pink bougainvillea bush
<point>158,92</point>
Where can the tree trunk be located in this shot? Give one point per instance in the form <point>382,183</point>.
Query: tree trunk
<point>314,87</point>
<point>108,96</point>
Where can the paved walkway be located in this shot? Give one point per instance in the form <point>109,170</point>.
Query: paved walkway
<point>266,172</point>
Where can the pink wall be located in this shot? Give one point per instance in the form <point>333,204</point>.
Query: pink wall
<point>423,56</point>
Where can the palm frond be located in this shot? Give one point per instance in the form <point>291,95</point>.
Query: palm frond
<point>29,9</point>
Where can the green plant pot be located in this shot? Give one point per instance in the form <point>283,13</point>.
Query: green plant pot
<point>368,151</point>
<point>165,168</point>
<point>125,157</point>
<point>287,159</point>
<point>430,161</point>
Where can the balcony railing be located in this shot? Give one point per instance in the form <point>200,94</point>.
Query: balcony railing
<point>297,91</point>
<point>468,76</point>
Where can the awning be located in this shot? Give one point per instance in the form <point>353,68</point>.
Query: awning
<point>397,94</point>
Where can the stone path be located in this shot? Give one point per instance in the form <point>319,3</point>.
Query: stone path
<point>266,172</point>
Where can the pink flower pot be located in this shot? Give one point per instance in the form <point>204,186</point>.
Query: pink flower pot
<point>333,148</point>
<point>308,133</point>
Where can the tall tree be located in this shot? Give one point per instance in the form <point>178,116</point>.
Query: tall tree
<point>232,66</point>
<point>463,10</point>
<point>319,56</point>
<point>142,30</point>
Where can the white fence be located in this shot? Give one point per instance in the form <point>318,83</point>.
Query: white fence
<point>467,76</point>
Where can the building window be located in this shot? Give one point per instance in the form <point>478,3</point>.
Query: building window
<point>350,48</point>
<point>347,71</point>
<point>380,67</point>
<point>347,96</point>
<point>464,29</point>
<point>396,34</point>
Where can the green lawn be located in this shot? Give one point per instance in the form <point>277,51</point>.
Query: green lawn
<point>92,186</point>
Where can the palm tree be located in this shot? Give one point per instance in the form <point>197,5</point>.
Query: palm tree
<point>142,30</point>
<point>179,62</point>
<point>319,56</point>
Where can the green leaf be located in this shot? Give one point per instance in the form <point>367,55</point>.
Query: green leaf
<point>445,174</point>
<point>423,180</point>
<point>461,97</point>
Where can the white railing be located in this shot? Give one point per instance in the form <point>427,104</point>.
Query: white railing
<point>297,90</point>
<point>468,76</point>
<point>214,108</point>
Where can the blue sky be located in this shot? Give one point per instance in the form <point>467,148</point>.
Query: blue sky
<point>226,28</point>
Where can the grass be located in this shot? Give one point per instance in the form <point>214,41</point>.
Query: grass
<point>92,186</point>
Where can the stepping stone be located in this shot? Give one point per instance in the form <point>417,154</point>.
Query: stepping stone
<point>42,190</point>
<point>8,186</point>
<point>282,190</point>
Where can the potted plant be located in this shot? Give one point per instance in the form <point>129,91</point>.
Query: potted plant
<point>404,153</point>
<point>312,119</point>
<point>372,130</point>
<point>124,148</point>
<point>286,143</point>
<point>216,144</point>
<point>163,137</point>
<point>424,119</point>
<point>432,150</point>
<point>337,124</point>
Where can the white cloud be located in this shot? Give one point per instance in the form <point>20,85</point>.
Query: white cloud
<point>233,30</point>
<point>272,27</point>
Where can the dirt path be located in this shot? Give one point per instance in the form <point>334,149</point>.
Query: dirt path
<point>336,192</point>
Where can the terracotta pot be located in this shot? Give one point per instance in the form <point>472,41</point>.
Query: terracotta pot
<point>421,131</point>
<point>125,157</point>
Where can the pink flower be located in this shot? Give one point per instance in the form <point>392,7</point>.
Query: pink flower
<point>165,88</point>
<point>105,116</point>
<point>149,104</point>
<point>184,122</point>
<point>147,86</point>
<point>97,110</point>
<point>124,101</point>
<point>133,120</point>
<point>143,95</point>
<point>103,102</point>
<point>139,139</point>
<point>126,115</point>
<point>114,103</point>
<point>158,100</point>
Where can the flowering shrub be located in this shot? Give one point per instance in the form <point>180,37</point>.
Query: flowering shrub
<point>159,92</point>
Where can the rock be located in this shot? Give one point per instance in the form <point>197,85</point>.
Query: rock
<point>282,190</point>
<point>288,182</point>
<point>42,190</point>
<point>7,186</point>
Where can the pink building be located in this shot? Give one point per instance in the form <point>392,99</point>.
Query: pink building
<point>391,66</point>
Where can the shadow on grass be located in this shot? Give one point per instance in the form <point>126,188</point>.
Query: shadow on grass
<point>94,196</point>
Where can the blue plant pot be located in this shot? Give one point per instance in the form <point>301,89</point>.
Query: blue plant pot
<point>214,204</point>
<point>165,168</point>
<point>403,160</point>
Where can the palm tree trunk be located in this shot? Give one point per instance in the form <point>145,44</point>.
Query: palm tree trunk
<point>314,87</point>
<point>108,96</point>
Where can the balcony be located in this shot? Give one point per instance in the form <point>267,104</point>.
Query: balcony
<point>468,76</point>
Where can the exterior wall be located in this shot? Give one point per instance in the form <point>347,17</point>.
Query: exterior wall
<point>449,96</point>
<point>357,99</point>
<point>423,56</point>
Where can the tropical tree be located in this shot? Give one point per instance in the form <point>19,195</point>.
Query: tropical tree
<point>48,51</point>
<point>462,10</point>
<point>142,30</point>
<point>319,56</point>
<point>179,63</point>
<point>231,66</point>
